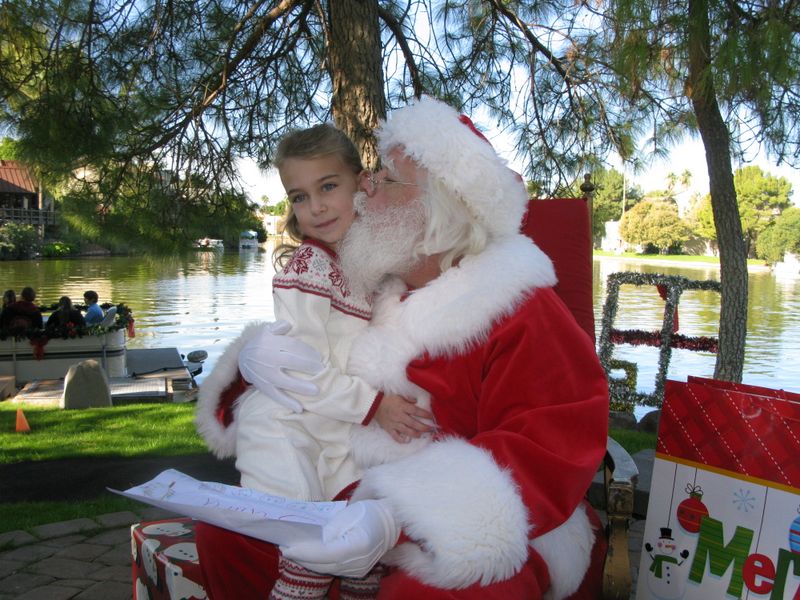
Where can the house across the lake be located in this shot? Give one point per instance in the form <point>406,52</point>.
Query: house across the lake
<point>21,199</point>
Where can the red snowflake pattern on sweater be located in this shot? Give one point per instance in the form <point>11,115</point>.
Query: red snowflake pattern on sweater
<point>338,280</point>
<point>299,262</point>
<point>313,270</point>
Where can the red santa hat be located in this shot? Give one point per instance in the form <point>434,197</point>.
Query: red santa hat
<point>452,150</point>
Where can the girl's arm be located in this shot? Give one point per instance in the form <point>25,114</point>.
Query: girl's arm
<point>341,396</point>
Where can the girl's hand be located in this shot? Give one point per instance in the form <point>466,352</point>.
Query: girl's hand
<point>402,418</point>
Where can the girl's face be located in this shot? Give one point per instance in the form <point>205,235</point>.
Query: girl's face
<point>321,192</point>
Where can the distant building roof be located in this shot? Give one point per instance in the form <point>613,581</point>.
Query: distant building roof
<point>15,178</point>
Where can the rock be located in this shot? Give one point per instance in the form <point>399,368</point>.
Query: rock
<point>649,422</point>
<point>86,386</point>
<point>619,419</point>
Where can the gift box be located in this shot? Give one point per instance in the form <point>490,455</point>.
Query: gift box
<point>165,563</point>
<point>723,516</point>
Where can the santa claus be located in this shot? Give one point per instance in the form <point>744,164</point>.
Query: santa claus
<point>465,319</point>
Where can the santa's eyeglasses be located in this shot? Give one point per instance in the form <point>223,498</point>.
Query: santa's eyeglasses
<point>372,182</point>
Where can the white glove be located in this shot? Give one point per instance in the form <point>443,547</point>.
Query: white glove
<point>264,359</point>
<point>352,542</point>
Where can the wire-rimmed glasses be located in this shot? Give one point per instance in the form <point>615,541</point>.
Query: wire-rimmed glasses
<point>372,183</point>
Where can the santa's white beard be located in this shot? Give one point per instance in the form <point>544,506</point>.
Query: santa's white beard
<point>380,243</point>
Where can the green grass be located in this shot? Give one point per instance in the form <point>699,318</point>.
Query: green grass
<point>687,258</point>
<point>27,515</point>
<point>633,441</point>
<point>130,430</point>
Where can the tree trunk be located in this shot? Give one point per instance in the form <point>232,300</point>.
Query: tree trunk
<point>732,251</point>
<point>356,72</point>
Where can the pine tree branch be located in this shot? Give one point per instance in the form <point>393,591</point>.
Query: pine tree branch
<point>532,39</point>
<point>221,77</point>
<point>402,41</point>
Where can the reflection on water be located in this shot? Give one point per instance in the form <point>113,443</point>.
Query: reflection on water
<point>203,300</point>
<point>197,301</point>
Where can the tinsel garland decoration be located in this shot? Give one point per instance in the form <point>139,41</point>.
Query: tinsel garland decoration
<point>631,371</point>
<point>635,337</point>
<point>665,339</point>
<point>628,383</point>
<point>623,398</point>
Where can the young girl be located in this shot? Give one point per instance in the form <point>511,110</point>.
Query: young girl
<point>306,455</point>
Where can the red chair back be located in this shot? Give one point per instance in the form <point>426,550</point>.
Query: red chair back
<point>562,229</point>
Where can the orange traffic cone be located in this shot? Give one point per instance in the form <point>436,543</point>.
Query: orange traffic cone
<point>22,422</point>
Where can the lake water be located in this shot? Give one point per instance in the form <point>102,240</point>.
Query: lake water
<point>772,351</point>
<point>202,300</point>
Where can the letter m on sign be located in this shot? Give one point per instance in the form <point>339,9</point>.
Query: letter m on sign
<point>711,549</point>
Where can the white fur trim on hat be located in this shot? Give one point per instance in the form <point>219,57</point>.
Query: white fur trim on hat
<point>221,440</point>
<point>432,134</point>
<point>461,506</point>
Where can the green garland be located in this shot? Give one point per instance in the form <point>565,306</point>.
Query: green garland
<point>122,320</point>
<point>624,391</point>
<point>627,384</point>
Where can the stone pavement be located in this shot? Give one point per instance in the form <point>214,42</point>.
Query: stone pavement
<point>635,537</point>
<point>90,559</point>
<point>81,559</point>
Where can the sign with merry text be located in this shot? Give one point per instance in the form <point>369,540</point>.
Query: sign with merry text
<point>723,519</point>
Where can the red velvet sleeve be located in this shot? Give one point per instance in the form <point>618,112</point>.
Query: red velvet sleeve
<point>543,407</point>
<point>236,388</point>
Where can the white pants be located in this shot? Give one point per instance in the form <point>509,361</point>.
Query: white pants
<point>300,456</point>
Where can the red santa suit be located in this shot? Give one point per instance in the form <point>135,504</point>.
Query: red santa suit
<point>493,504</point>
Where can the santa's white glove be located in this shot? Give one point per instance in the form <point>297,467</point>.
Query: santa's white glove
<point>264,360</point>
<point>352,542</point>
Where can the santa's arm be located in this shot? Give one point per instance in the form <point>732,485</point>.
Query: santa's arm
<point>464,514</point>
<point>475,507</point>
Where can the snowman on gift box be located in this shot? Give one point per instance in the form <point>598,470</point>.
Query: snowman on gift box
<point>665,579</point>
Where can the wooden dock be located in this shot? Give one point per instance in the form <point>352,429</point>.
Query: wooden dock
<point>154,375</point>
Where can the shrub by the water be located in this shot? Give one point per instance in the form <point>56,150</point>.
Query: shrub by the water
<point>57,249</point>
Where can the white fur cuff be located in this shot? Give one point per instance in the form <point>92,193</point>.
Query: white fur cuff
<point>221,440</point>
<point>464,510</point>
<point>567,551</point>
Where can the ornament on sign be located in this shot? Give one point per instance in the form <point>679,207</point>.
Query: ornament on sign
<point>692,510</point>
<point>794,534</point>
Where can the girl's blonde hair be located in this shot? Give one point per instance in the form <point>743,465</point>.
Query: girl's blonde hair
<point>315,142</point>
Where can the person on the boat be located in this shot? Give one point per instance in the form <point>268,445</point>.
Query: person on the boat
<point>64,318</point>
<point>9,297</point>
<point>300,449</point>
<point>493,506</point>
<point>94,313</point>
<point>24,314</point>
